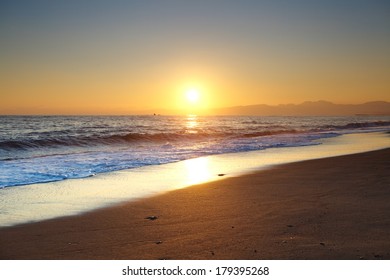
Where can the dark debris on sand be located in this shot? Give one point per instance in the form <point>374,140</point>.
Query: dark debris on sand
<point>151,218</point>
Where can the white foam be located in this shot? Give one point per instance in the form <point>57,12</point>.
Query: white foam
<point>74,196</point>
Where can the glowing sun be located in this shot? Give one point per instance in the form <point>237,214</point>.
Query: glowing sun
<point>192,95</point>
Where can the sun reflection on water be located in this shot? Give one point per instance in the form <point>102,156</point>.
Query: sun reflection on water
<point>191,124</point>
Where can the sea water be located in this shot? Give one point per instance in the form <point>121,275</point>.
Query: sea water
<point>37,149</point>
<point>57,166</point>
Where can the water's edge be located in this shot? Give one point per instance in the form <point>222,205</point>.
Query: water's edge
<point>31,203</point>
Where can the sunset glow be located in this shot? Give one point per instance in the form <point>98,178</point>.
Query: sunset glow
<point>192,95</point>
<point>137,57</point>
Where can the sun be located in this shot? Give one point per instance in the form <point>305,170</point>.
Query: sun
<point>192,95</point>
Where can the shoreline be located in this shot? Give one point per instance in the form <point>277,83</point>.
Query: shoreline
<point>37,202</point>
<point>331,208</point>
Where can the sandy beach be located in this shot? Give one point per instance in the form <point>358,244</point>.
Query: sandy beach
<point>333,208</point>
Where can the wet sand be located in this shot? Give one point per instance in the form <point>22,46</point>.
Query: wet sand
<point>334,208</point>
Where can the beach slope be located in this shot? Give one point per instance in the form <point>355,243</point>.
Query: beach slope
<point>333,208</point>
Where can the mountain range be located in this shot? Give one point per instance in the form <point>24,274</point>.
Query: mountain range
<point>308,108</point>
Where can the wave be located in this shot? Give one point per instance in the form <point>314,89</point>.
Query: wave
<point>130,138</point>
<point>356,125</point>
<point>269,133</point>
<point>166,137</point>
<point>160,137</point>
<point>113,139</point>
<point>38,143</point>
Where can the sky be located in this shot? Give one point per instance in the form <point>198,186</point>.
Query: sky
<point>125,57</point>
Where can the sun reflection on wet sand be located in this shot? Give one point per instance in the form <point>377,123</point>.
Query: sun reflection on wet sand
<point>198,170</point>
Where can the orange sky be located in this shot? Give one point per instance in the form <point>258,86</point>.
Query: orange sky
<point>126,57</point>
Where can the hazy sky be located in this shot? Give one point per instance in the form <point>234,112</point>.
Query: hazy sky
<point>91,57</point>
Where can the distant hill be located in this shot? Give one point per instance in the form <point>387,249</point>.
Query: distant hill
<point>319,108</point>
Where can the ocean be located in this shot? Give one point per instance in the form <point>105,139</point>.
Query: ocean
<point>39,149</point>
